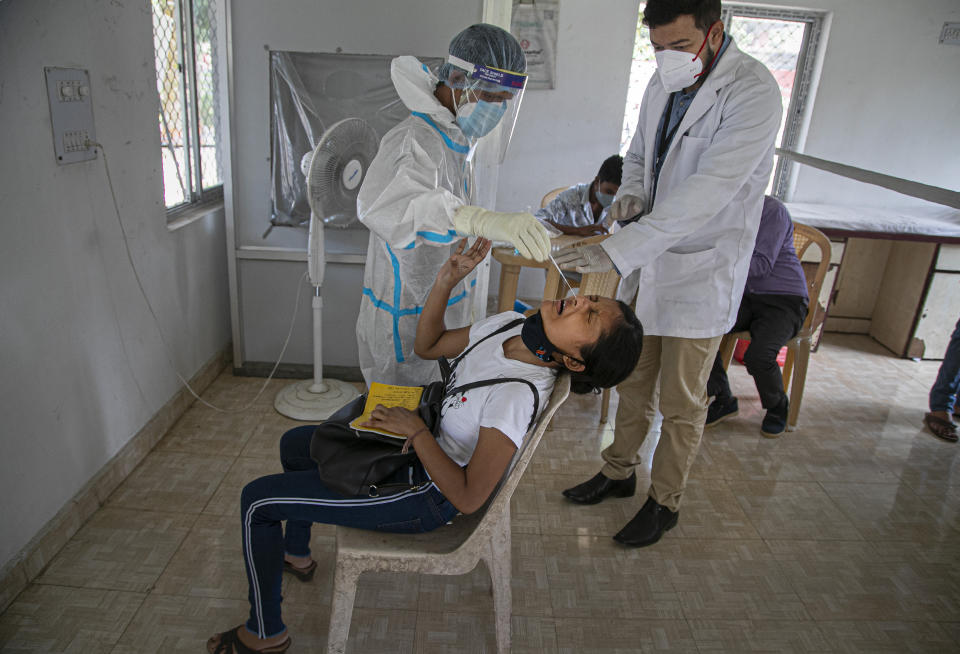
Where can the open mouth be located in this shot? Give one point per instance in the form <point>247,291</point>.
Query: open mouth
<point>560,305</point>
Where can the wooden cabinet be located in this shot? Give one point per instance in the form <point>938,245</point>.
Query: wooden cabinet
<point>940,308</point>
<point>905,294</point>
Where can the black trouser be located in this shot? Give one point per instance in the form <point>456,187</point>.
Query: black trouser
<point>772,320</point>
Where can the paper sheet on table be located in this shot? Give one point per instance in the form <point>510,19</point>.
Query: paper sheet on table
<point>407,397</point>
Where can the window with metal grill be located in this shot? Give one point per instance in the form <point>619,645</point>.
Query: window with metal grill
<point>188,81</point>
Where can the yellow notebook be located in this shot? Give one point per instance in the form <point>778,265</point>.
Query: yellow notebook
<point>407,397</point>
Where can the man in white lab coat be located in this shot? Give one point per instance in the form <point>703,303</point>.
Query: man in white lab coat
<point>692,192</point>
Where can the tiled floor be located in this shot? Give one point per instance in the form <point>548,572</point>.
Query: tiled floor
<point>841,537</point>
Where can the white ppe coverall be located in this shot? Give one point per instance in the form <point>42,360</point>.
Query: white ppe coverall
<point>414,184</point>
<point>693,244</point>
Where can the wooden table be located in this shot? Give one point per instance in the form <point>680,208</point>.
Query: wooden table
<point>602,284</point>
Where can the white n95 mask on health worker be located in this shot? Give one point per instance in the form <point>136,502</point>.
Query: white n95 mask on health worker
<point>677,70</point>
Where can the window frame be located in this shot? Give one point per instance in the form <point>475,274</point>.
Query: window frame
<point>200,200</point>
<point>803,93</point>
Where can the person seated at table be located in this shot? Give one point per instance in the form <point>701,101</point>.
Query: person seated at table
<point>581,209</point>
<point>597,339</point>
<point>773,309</point>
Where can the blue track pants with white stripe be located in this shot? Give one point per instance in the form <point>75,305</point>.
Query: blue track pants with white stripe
<point>298,497</point>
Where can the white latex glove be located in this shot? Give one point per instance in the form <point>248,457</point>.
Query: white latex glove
<point>522,229</point>
<point>587,258</point>
<point>624,208</point>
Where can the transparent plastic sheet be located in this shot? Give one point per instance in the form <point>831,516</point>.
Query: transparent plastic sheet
<point>309,93</point>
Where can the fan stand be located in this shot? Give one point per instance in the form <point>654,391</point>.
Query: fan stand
<point>342,144</point>
<point>317,398</point>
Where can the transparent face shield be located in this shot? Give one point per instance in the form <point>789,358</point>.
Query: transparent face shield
<point>488,103</point>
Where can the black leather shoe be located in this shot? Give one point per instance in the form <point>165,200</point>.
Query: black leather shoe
<point>648,525</point>
<point>775,422</point>
<point>721,409</point>
<point>599,487</point>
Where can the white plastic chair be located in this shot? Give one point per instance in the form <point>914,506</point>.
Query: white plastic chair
<point>453,549</point>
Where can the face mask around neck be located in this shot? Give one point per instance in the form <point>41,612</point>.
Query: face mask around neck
<point>535,338</point>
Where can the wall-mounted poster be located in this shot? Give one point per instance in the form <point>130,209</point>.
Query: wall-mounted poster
<point>534,23</point>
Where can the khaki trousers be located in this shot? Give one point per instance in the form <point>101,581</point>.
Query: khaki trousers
<point>682,367</point>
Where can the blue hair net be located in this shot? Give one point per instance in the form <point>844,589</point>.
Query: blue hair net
<point>485,45</point>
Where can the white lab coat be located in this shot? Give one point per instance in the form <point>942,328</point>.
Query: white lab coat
<point>692,247</point>
<point>414,184</point>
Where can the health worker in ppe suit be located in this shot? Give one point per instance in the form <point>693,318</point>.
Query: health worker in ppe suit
<point>417,196</point>
<point>692,193</point>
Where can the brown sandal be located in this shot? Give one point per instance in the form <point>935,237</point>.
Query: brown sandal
<point>303,574</point>
<point>230,643</point>
<point>941,428</point>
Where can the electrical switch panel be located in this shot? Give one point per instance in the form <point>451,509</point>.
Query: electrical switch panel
<point>950,33</point>
<point>71,114</point>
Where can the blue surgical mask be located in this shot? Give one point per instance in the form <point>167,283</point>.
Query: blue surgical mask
<point>605,199</point>
<point>481,119</point>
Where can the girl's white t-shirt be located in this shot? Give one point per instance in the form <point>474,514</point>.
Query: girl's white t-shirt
<point>506,406</point>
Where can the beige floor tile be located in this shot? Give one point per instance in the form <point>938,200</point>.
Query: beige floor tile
<point>524,510</point>
<point>931,467</point>
<point>846,580</point>
<point>571,451</point>
<point>172,481</point>
<point>852,521</point>
<point>842,460</point>
<point>558,515</point>
<point>174,624</point>
<point>446,631</point>
<point>595,577</point>
<point>384,590</point>
<point>231,393</point>
<point>895,512</point>
<point>586,636</point>
<point>379,631</point>
<point>202,430</point>
<point>472,592</point>
<point>710,510</point>
<point>887,637</point>
<point>167,624</point>
<point>721,580</point>
<point>737,456</point>
<point>226,499</point>
<point>210,564</point>
<point>791,509</point>
<point>781,636</point>
<point>953,628</point>
<point>119,549</point>
<point>264,441</point>
<point>57,619</point>
<point>581,411</point>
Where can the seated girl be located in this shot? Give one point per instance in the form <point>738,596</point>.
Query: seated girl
<point>597,339</point>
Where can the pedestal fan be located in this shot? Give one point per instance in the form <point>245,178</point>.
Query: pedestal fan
<point>334,170</point>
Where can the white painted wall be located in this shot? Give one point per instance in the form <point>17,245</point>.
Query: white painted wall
<point>887,101</point>
<point>83,366</point>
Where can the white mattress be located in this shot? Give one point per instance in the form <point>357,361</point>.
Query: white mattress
<point>918,221</point>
